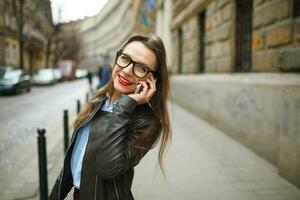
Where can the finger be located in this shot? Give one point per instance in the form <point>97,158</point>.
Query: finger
<point>145,89</point>
<point>151,90</point>
<point>154,78</point>
<point>152,83</point>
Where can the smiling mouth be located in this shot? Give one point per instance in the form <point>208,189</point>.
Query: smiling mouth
<point>124,81</point>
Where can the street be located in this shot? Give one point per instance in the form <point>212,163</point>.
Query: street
<point>20,117</point>
<point>202,163</point>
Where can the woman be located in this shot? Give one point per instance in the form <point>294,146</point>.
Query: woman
<point>119,126</point>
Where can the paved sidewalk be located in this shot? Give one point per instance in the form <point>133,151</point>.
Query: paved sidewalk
<point>205,164</point>
<point>202,164</point>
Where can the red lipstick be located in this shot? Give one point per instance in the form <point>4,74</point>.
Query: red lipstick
<point>123,81</point>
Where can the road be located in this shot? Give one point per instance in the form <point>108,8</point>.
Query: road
<point>202,163</point>
<point>22,114</point>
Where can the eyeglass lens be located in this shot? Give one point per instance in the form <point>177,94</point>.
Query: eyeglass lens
<point>138,69</point>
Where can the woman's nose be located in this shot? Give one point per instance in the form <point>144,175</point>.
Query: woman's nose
<point>128,70</point>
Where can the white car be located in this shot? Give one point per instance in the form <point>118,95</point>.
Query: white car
<point>44,77</point>
<point>81,73</point>
<point>57,74</point>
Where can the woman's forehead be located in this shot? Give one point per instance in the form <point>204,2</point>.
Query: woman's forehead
<point>140,53</point>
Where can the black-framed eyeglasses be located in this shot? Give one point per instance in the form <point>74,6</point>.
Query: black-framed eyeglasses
<point>138,69</point>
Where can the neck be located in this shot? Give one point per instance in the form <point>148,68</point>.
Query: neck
<point>115,95</point>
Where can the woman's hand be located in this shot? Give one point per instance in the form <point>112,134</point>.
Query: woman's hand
<point>147,92</point>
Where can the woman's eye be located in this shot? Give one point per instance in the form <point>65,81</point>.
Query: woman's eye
<point>125,58</point>
<point>141,68</point>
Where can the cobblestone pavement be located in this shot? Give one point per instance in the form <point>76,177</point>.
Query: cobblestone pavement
<point>20,117</point>
<point>202,164</point>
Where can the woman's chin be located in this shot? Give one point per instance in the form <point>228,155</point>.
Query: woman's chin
<point>123,90</point>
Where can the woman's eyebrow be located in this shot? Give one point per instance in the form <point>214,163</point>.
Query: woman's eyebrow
<point>135,61</point>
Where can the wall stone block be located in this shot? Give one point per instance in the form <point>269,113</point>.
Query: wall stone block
<point>216,50</point>
<point>289,59</point>
<point>270,12</point>
<point>266,60</point>
<point>222,3</point>
<point>211,8</point>
<point>257,41</point>
<point>226,13</point>
<point>258,2</point>
<point>210,65</point>
<point>207,52</point>
<point>221,33</point>
<point>279,35</point>
<point>223,64</point>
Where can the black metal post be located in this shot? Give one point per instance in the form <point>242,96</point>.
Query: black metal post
<point>66,130</point>
<point>78,106</point>
<point>42,164</point>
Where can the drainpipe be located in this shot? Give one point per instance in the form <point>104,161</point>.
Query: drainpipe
<point>21,38</point>
<point>4,32</point>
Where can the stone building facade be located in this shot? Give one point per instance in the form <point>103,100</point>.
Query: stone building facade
<point>104,33</point>
<point>236,55</point>
<point>37,31</point>
<point>163,20</point>
<point>209,36</point>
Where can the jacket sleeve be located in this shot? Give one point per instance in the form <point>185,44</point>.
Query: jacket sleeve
<point>124,146</point>
<point>54,192</point>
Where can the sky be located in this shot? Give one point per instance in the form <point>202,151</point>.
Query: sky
<point>75,9</point>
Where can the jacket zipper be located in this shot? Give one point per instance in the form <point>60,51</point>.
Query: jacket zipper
<point>116,189</point>
<point>96,187</point>
<point>91,116</point>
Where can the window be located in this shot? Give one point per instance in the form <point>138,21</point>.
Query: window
<point>180,43</point>
<point>201,21</point>
<point>296,8</point>
<point>243,35</point>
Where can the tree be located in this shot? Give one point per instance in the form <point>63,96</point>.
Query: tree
<point>24,16</point>
<point>67,42</point>
<point>19,10</point>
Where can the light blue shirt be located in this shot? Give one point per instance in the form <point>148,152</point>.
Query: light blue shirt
<point>80,146</point>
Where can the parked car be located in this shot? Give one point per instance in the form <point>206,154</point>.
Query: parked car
<point>57,74</point>
<point>44,77</point>
<point>81,73</point>
<point>14,80</point>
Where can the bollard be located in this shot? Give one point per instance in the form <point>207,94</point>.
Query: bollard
<point>66,130</point>
<point>78,106</point>
<point>42,164</point>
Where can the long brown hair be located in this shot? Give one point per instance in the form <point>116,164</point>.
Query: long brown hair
<point>159,99</point>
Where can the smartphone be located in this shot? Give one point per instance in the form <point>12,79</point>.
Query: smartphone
<point>138,89</point>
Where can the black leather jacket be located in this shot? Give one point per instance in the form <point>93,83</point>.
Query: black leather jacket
<point>117,142</point>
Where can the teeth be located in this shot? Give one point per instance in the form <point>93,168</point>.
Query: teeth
<point>124,80</point>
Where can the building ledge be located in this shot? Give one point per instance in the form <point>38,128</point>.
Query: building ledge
<point>280,79</point>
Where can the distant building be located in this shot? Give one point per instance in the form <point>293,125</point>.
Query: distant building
<point>38,33</point>
<point>104,33</point>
